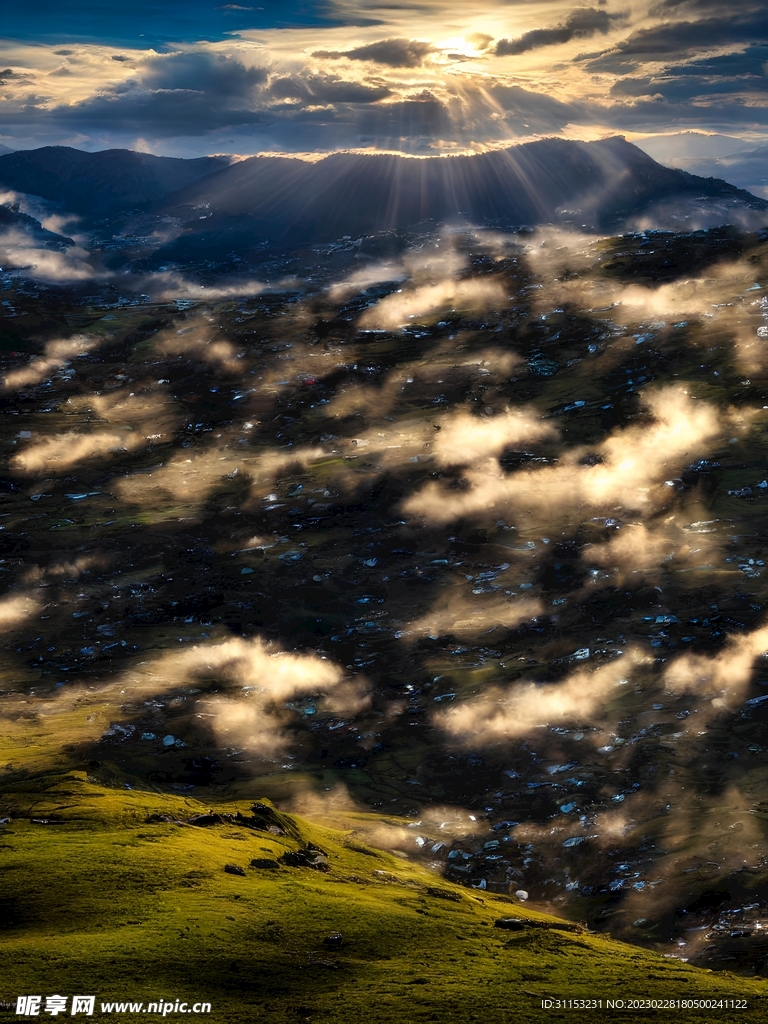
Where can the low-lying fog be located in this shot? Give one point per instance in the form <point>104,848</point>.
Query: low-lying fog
<point>459,544</point>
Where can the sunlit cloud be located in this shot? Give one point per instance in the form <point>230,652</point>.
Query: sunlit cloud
<point>396,53</point>
<point>359,280</point>
<point>150,409</point>
<point>191,479</point>
<point>464,439</point>
<point>169,284</point>
<point>632,464</point>
<point>135,420</point>
<point>467,617</point>
<point>256,679</point>
<point>725,677</point>
<point>502,714</point>
<point>75,567</point>
<point>16,610</point>
<point>581,23</point>
<point>715,297</point>
<point>58,353</point>
<point>60,453</point>
<point>46,213</point>
<point>69,267</point>
<point>199,340</point>
<point>443,823</point>
<point>640,550</point>
<point>430,301</point>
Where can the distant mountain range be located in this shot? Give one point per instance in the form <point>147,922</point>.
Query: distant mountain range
<point>595,184</point>
<point>714,155</point>
<point>747,168</point>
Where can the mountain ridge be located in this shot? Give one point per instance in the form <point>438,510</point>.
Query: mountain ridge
<point>100,183</point>
<point>590,184</point>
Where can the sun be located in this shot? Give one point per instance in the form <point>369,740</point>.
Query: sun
<point>469,47</point>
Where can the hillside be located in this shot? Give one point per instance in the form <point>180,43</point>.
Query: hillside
<point>271,918</point>
<point>11,219</point>
<point>597,184</point>
<point>96,184</point>
<point>602,183</point>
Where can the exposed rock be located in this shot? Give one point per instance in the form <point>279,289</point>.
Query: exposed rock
<point>265,863</point>
<point>511,924</point>
<point>518,924</point>
<point>204,820</point>
<point>309,858</point>
<point>443,894</point>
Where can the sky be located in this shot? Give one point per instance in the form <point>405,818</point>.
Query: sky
<point>684,78</point>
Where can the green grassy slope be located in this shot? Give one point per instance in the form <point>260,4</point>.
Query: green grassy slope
<point>119,896</point>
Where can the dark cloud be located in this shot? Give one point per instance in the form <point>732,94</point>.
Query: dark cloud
<point>518,112</point>
<point>395,53</point>
<point>705,80</point>
<point>419,123</point>
<point>9,75</point>
<point>153,114</point>
<point>182,94</point>
<point>698,8</point>
<point>528,112</point>
<point>421,117</point>
<point>614,62</point>
<point>194,94</point>
<point>681,37</point>
<point>580,24</point>
<point>214,74</point>
<point>648,113</point>
<point>745,25</point>
<point>202,94</point>
<point>749,62</point>
<point>325,89</point>
<point>645,86</point>
<point>686,89</point>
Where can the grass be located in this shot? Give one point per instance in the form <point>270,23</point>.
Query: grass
<point>119,897</point>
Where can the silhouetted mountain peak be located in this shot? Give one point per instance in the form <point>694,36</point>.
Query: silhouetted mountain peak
<point>601,182</point>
